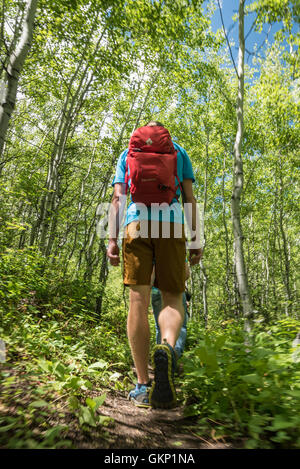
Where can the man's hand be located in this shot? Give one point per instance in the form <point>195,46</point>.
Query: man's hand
<point>195,256</point>
<point>113,252</point>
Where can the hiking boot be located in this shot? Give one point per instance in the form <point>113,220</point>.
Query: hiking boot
<point>140,395</point>
<point>162,393</point>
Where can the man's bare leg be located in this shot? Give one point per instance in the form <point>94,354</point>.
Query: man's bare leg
<point>171,317</point>
<point>138,330</point>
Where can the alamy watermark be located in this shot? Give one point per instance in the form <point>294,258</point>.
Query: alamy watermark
<point>110,221</point>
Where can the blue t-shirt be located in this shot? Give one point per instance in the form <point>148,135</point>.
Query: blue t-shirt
<point>174,213</point>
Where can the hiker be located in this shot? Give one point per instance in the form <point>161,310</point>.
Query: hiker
<point>188,297</point>
<point>156,301</point>
<point>156,171</point>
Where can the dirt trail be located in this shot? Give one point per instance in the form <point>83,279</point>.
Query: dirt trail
<point>143,428</point>
<point>131,428</point>
<point>152,428</point>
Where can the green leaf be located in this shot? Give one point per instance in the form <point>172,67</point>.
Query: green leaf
<point>100,364</point>
<point>91,403</point>
<point>53,433</point>
<point>45,365</point>
<point>73,402</point>
<point>220,342</point>
<point>8,427</point>
<point>104,420</point>
<point>86,416</point>
<point>252,379</point>
<point>294,393</point>
<point>74,383</point>
<point>95,403</point>
<point>40,403</point>
<point>59,370</point>
<point>86,384</point>
<point>68,338</point>
<point>99,401</point>
<point>57,311</point>
<point>191,410</point>
<point>280,422</point>
<point>233,367</point>
<point>198,373</point>
<point>115,376</point>
<point>251,444</point>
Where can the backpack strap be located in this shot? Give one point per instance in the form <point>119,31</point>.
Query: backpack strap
<point>178,185</point>
<point>126,176</point>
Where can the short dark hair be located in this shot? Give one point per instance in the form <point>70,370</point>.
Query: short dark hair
<point>154,123</point>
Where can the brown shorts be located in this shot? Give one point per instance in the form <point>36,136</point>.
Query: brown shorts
<point>141,253</point>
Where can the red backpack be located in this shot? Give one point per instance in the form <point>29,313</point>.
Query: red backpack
<point>152,163</point>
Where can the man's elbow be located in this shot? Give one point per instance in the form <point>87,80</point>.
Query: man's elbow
<point>119,193</point>
<point>115,199</point>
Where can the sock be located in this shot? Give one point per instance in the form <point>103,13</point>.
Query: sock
<point>139,385</point>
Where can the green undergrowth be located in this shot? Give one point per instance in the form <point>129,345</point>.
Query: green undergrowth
<point>58,360</point>
<point>56,371</point>
<point>244,391</point>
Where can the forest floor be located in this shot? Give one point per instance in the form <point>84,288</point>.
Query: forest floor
<point>148,428</point>
<point>151,428</point>
<point>126,426</point>
<point>133,428</point>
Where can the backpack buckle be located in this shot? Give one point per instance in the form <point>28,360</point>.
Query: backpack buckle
<point>162,187</point>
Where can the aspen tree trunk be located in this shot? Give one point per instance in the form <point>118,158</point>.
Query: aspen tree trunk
<point>50,203</point>
<point>266,271</point>
<point>241,272</point>
<point>82,189</point>
<point>15,65</point>
<point>17,28</point>
<point>90,230</point>
<point>192,282</point>
<point>226,234</point>
<point>236,304</point>
<point>92,259</point>
<point>274,265</point>
<point>72,103</point>
<point>267,276</point>
<point>52,184</point>
<point>286,273</point>
<point>102,279</point>
<point>202,266</point>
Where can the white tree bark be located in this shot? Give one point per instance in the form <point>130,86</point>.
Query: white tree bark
<point>286,272</point>
<point>240,266</point>
<point>15,64</point>
<point>227,288</point>
<point>202,266</point>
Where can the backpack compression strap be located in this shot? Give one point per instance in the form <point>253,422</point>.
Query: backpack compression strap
<point>126,176</point>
